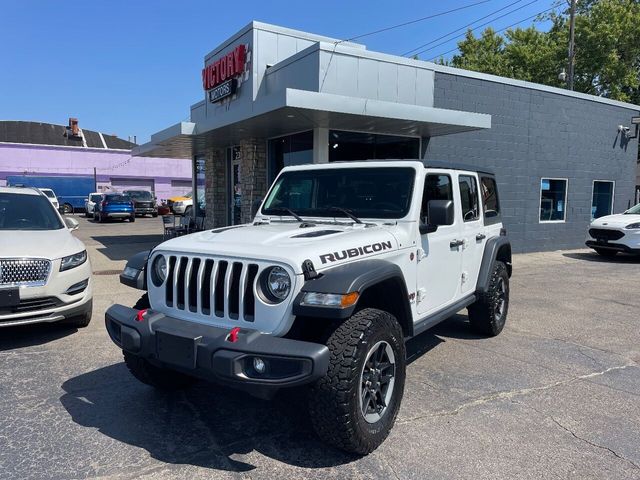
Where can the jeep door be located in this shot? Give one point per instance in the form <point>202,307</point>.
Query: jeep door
<point>439,265</point>
<point>473,233</point>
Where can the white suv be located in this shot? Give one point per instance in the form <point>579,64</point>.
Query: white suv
<point>342,264</point>
<point>51,195</point>
<point>616,233</point>
<point>45,275</point>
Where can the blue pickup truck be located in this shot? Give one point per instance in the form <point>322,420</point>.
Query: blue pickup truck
<point>71,191</point>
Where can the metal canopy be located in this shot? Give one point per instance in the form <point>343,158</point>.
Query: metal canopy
<point>297,110</point>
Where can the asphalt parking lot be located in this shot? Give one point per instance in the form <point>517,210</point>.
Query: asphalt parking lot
<point>556,395</point>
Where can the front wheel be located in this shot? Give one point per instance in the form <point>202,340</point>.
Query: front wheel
<point>355,405</point>
<point>489,312</point>
<point>158,377</point>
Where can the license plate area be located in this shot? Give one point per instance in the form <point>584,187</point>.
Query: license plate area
<point>177,350</point>
<point>9,297</point>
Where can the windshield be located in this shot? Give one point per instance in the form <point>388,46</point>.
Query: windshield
<point>364,192</point>
<point>139,194</point>
<point>95,198</point>
<point>633,210</point>
<point>48,193</point>
<point>27,212</point>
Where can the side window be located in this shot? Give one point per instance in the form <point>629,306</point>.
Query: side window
<point>469,198</point>
<point>436,187</point>
<point>490,202</point>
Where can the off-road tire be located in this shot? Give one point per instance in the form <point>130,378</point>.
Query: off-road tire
<point>484,315</point>
<point>142,303</point>
<point>605,252</point>
<point>157,377</point>
<point>334,401</point>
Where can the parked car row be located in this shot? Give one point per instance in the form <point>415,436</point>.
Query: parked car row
<point>102,206</point>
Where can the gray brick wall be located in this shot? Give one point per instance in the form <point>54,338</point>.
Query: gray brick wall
<point>538,134</point>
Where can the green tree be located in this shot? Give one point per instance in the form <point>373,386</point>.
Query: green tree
<point>607,58</point>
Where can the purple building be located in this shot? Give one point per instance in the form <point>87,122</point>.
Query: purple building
<point>34,148</point>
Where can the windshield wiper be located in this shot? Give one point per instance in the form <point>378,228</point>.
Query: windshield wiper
<point>347,213</point>
<point>289,211</point>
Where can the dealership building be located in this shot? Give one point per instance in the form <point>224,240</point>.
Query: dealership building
<point>45,149</point>
<point>274,97</point>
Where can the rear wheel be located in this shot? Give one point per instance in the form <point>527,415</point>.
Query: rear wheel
<point>355,405</point>
<point>132,218</point>
<point>489,313</point>
<point>605,252</point>
<point>67,209</point>
<point>158,377</point>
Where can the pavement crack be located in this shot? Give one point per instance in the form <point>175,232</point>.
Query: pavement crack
<point>578,437</point>
<point>513,393</point>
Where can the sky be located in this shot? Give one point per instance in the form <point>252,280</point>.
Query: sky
<point>133,67</point>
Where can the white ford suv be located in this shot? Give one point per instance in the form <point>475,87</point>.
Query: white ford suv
<point>616,233</point>
<point>45,275</point>
<point>342,264</point>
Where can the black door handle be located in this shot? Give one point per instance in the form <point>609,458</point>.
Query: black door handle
<point>456,243</point>
<point>480,237</point>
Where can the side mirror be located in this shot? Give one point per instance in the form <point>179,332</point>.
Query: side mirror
<point>439,212</point>
<point>71,223</point>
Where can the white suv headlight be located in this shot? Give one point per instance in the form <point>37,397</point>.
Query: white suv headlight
<point>633,226</point>
<point>73,261</point>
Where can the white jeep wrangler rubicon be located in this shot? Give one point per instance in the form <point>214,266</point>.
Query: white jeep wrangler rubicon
<point>342,264</point>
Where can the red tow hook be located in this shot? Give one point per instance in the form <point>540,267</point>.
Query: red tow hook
<point>140,315</point>
<point>233,335</point>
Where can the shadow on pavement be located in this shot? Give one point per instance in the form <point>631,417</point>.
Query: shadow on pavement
<point>203,426</point>
<point>22,336</point>
<point>457,327</point>
<point>594,257</point>
<point>123,247</point>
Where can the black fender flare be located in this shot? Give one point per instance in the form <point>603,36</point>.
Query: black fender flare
<point>495,248</point>
<point>136,271</point>
<point>352,277</point>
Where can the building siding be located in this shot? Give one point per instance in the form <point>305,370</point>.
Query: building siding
<point>538,134</point>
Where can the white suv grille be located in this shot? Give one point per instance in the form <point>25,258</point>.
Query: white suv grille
<point>24,271</point>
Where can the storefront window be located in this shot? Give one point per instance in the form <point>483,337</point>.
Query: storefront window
<point>199,200</point>
<point>347,146</point>
<point>602,199</point>
<point>553,200</point>
<point>296,149</point>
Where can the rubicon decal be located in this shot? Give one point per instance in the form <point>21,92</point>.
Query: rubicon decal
<point>355,252</point>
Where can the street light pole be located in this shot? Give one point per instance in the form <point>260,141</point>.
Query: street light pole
<point>572,25</point>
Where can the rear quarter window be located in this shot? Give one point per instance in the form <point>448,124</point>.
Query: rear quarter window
<point>490,200</point>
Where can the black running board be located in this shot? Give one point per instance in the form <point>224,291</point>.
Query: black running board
<point>434,319</point>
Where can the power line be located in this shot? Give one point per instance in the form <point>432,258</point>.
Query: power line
<point>461,28</point>
<point>498,31</point>
<point>414,21</point>
<point>479,26</point>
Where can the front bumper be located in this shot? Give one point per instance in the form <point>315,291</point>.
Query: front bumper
<point>618,247</point>
<point>179,209</point>
<point>145,210</point>
<point>205,351</point>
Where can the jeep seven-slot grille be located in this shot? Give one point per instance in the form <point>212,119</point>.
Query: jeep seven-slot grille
<point>24,271</point>
<point>606,234</point>
<point>213,287</point>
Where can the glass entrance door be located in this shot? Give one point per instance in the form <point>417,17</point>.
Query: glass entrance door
<point>235,185</point>
<point>602,199</point>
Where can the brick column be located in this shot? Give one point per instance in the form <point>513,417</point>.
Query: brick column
<point>253,173</point>
<point>216,189</point>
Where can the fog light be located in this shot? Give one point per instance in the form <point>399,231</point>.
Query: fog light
<point>259,365</point>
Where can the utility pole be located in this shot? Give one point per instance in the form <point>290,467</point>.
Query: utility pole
<point>572,28</point>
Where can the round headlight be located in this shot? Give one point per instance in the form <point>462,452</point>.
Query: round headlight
<point>278,283</point>
<point>159,270</point>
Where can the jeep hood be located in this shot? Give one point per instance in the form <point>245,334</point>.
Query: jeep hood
<point>325,245</point>
<point>619,220</point>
